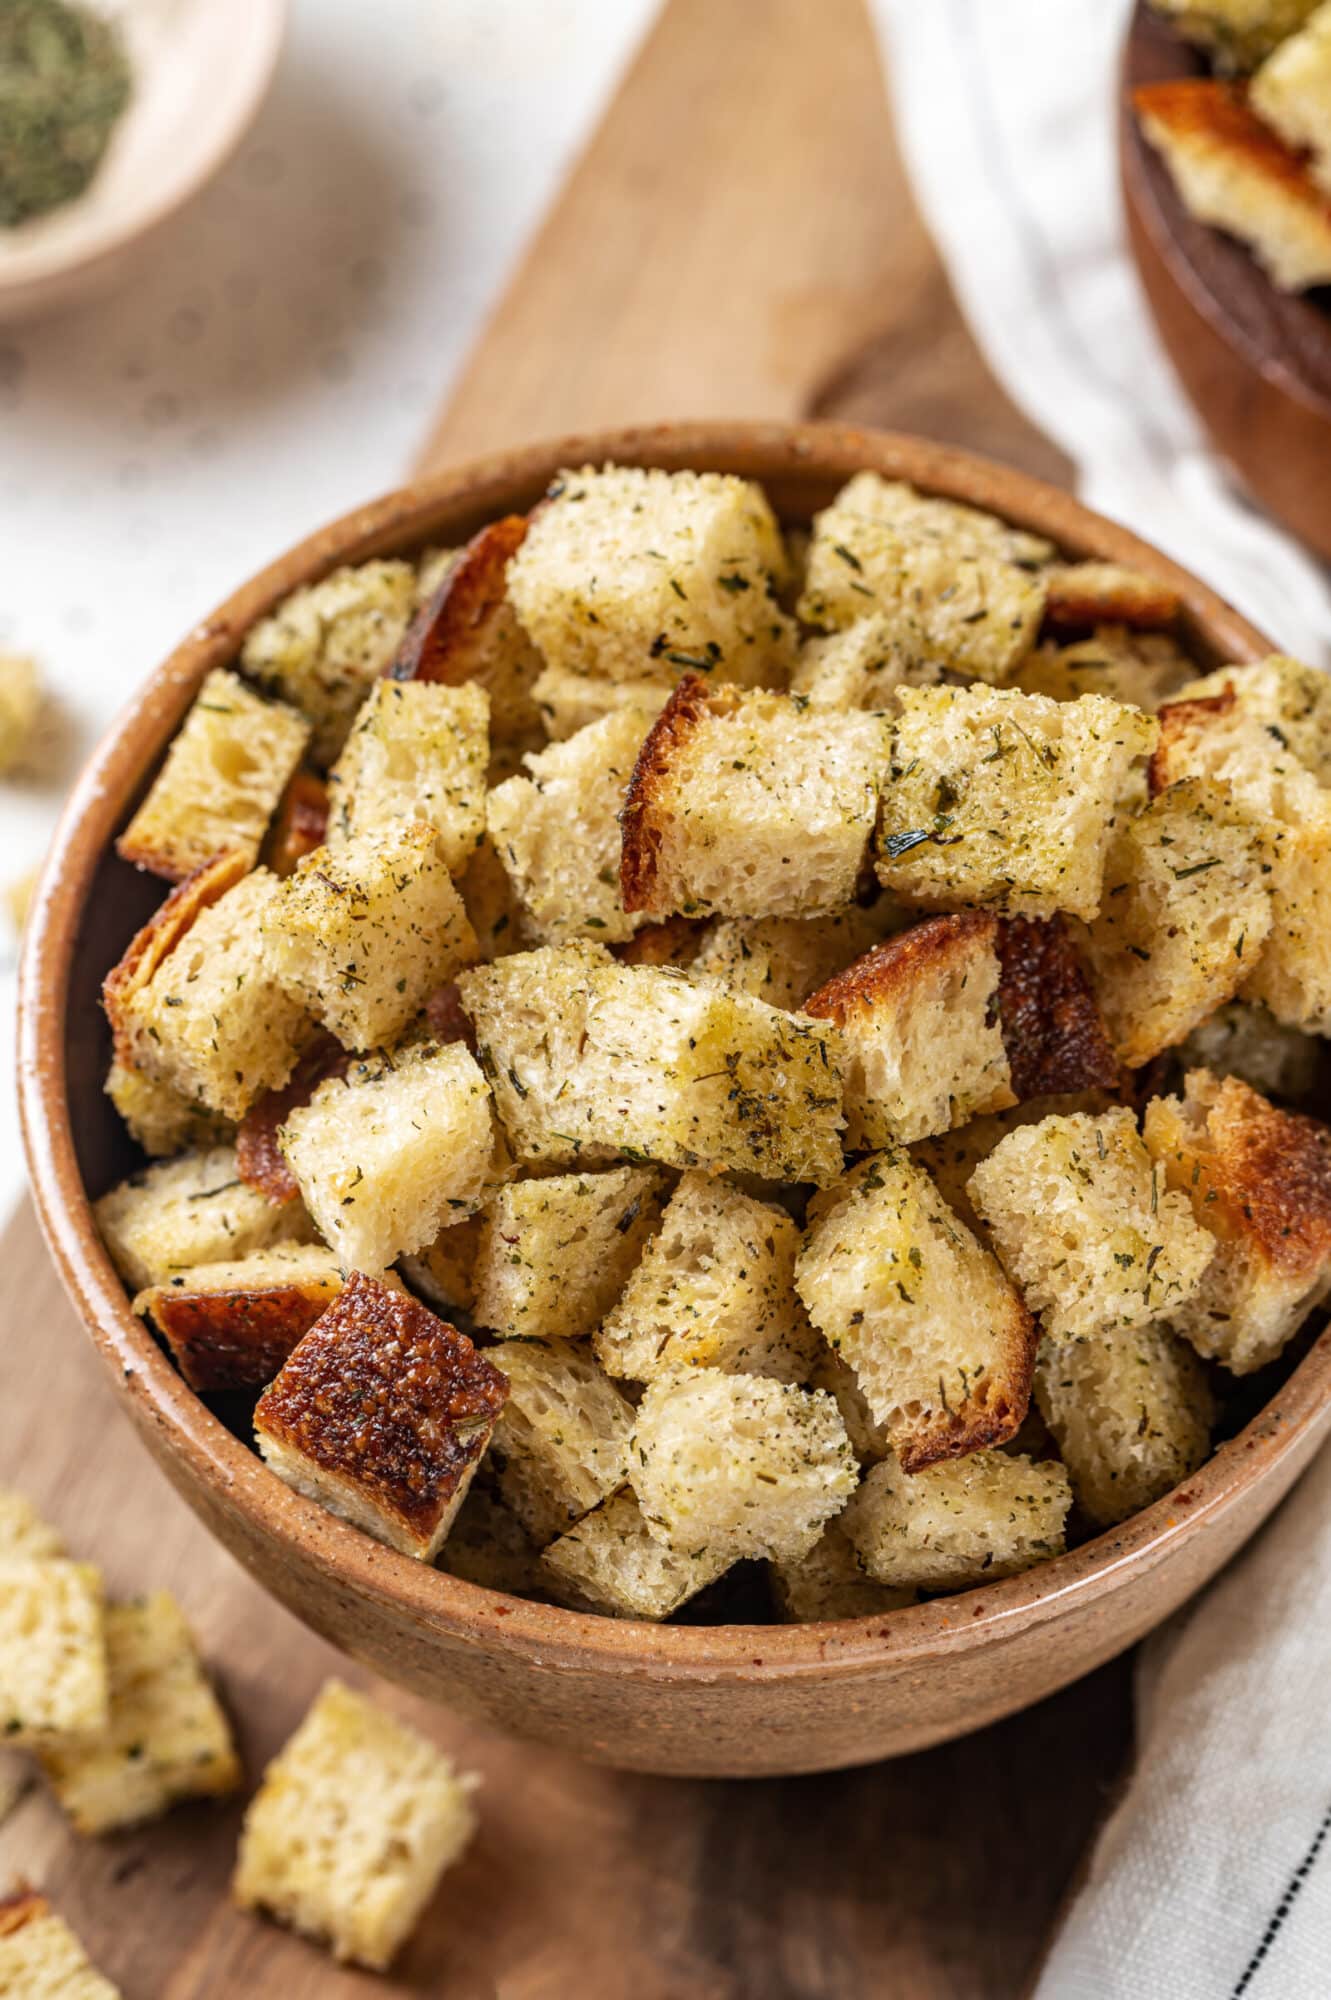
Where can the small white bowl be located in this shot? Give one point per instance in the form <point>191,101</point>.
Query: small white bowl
<point>201,69</point>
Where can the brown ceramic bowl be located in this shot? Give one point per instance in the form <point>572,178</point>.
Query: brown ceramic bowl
<point>707,1700</point>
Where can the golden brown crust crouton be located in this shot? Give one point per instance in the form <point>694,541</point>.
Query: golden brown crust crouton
<point>468,631</point>
<point>1080,596</point>
<point>300,823</point>
<point>1052,1030</point>
<point>382,1413</point>
<point>1181,722</point>
<point>231,1326</point>
<point>147,949</point>
<point>641,833</point>
<point>260,1161</point>
<point>1260,1180</point>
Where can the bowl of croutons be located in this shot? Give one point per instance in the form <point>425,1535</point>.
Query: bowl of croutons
<point>679,1075</point>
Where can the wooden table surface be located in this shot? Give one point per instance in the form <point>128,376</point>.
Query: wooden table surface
<point>737,240</point>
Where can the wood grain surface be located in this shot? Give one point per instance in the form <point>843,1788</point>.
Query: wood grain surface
<point>737,239</point>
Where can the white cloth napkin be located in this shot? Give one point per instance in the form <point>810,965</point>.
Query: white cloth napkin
<point>1212,1880</point>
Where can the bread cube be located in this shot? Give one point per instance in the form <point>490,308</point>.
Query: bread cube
<point>750,805</point>
<point>554,1254</point>
<point>416,752</point>
<point>941,1345</point>
<point>627,571</point>
<point>971,1520</point>
<point>1237,34</point>
<point>863,665</point>
<point>610,1562</point>
<point>382,1414</point>
<point>1083,1224</point>
<point>561,1444</point>
<point>355,1821</point>
<point>1290,702</point>
<point>714,1289</point>
<point>1260,1181</point>
<point>1185,914</point>
<point>557,832</point>
<point>487,1545</point>
<point>831,1582</point>
<point>361,933</point>
<point>569,702</point>
<point>325,645</point>
<point>444,1272</point>
<point>529,1011</point>
<point>53,1677</point>
<point>388,1154</point>
<point>1292,92</point>
<point>1140,669</point>
<point>232,1325</point>
<point>24,1535</point>
<point>1005,799</point>
<point>190,1211</point>
<point>869,1439</point>
<point>739,1465</point>
<point>167,1738</point>
<point>1131,1413</point>
<point>40,1957</point>
<point>1243,1040</point>
<point>1232,171</point>
<point>159,1118</point>
<point>959,579</point>
<point>21,699</point>
<point>467,633</point>
<point>782,960</point>
<point>225,771</point>
<point>1103,598</point>
<point>300,823</point>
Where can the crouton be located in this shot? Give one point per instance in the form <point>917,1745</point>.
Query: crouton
<point>1185,914</point>
<point>1140,669</point>
<point>260,1161</point>
<point>739,1465</point>
<point>1290,701</point>
<point>588,1058</point>
<point>941,1345</point>
<point>950,1158</point>
<point>1244,1040</point>
<point>189,1211</point>
<point>1005,799</point>
<point>361,933</point>
<point>1089,596</point>
<point>568,702</point>
<point>1131,1413</point>
<point>715,1289</point>
<point>1231,171</point>
<point>382,1414</point>
<point>355,1821</point>
<point>868,1437</point>
<point>232,1325</point>
<point>626,572</point>
<point>863,665</point>
<point>53,1679</point>
<point>432,567</point>
<point>561,1444</point>
<point>158,1118</point>
<point>554,1254</point>
<point>150,947</point>
<point>1259,1179</point>
<point>831,1582</point>
<point>610,1562</point>
<point>557,832</point>
<point>466,631</point>
<point>1237,34</point>
<point>1292,92</point>
<point>782,960</point>
<point>1082,1223</point>
<point>750,805</point>
<point>958,1016</point>
<point>21,698</point>
<point>167,1738</point>
<point>224,774</point>
<point>488,1545</point>
<point>387,1155</point>
<point>326,644</point>
<point>211,1021</point>
<point>444,1272</point>
<point>40,1957</point>
<point>24,1535</point>
<point>972,1520</point>
<point>416,752</point>
<point>1216,737</point>
<point>960,580</point>
<point>300,823</point>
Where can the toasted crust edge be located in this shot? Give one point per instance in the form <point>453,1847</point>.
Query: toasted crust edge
<point>300,822</point>
<point>238,1339</point>
<point>641,821</point>
<point>1054,1035</point>
<point>1177,719</point>
<point>1076,601</point>
<point>891,966</point>
<point>151,946</point>
<point>446,635</point>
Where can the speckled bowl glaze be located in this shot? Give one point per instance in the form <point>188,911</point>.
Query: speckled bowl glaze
<point>703,1700</point>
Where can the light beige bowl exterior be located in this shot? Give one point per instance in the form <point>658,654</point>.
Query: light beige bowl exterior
<point>714,1701</point>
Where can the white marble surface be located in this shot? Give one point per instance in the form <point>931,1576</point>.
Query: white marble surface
<point>280,355</point>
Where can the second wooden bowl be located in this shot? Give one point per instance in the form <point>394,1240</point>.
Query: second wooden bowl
<point>704,1700</point>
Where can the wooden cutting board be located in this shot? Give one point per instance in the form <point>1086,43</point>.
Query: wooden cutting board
<point>738,239</point>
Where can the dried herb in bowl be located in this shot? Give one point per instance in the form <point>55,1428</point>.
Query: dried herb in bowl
<point>64,83</point>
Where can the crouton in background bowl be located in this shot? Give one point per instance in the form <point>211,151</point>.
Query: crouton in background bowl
<point>684,1698</point>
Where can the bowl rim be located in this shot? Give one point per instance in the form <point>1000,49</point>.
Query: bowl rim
<point>197,1449</point>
